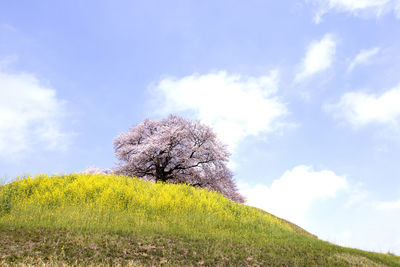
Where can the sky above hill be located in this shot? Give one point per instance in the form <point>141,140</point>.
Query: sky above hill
<point>305,93</point>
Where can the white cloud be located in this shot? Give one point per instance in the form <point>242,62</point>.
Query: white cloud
<point>390,206</point>
<point>363,57</point>
<point>30,114</point>
<point>353,220</point>
<point>360,109</point>
<point>366,8</point>
<point>291,196</point>
<point>397,11</point>
<point>319,57</point>
<point>235,106</point>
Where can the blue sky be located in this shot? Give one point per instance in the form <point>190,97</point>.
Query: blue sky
<point>305,93</point>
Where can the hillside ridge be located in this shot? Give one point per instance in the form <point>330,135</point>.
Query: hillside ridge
<point>126,220</point>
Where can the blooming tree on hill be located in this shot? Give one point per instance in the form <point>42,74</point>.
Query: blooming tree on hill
<point>176,150</point>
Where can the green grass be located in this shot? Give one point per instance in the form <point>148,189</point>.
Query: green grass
<point>116,220</point>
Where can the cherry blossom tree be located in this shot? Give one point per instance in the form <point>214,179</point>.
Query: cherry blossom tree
<point>176,150</point>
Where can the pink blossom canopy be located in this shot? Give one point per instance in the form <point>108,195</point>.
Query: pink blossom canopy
<point>176,150</point>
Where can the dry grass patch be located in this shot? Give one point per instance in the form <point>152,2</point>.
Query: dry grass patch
<point>359,261</point>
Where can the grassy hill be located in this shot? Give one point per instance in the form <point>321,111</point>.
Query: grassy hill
<point>81,219</point>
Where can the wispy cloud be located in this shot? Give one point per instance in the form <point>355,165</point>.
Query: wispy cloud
<point>236,106</point>
<point>292,194</point>
<point>366,8</point>
<point>360,109</point>
<point>319,57</point>
<point>30,114</point>
<point>364,57</point>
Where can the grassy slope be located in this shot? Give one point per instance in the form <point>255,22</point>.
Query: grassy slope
<point>121,220</point>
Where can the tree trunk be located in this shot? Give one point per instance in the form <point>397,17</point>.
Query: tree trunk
<point>161,174</point>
